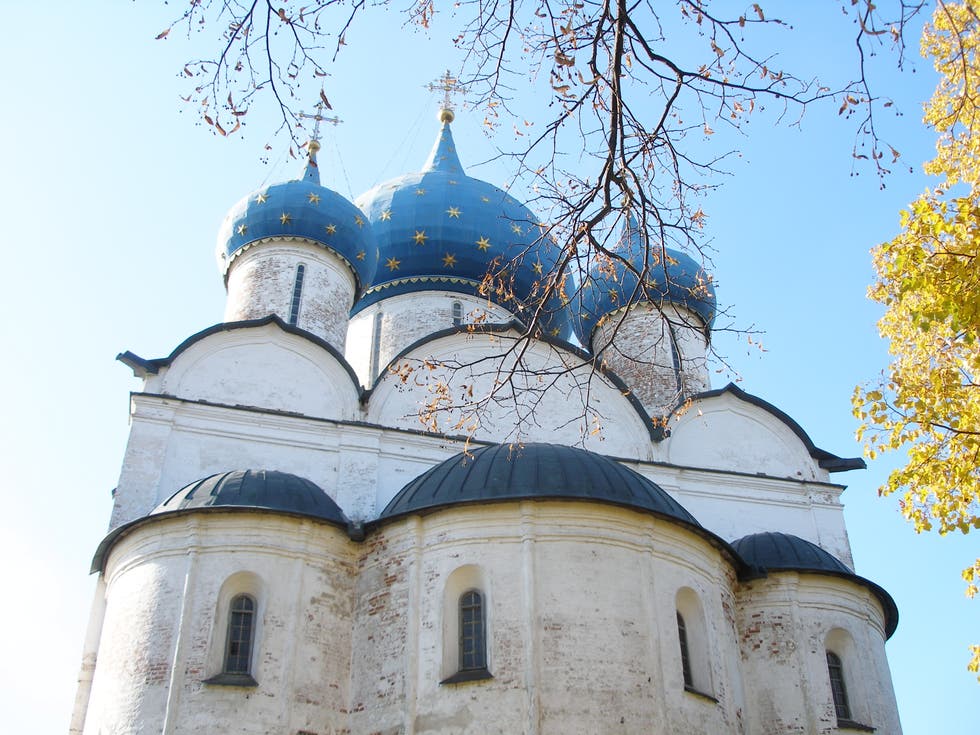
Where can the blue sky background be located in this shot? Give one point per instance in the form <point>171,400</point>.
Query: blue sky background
<point>112,198</point>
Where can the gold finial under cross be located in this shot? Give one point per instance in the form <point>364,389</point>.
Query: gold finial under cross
<point>317,118</point>
<point>449,85</point>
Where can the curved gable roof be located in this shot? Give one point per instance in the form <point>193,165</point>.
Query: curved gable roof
<point>656,431</point>
<point>142,367</point>
<point>826,460</point>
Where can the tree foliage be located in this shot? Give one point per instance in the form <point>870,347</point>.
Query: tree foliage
<point>928,278</point>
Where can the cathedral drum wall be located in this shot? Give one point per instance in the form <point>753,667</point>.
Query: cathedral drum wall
<point>262,280</point>
<point>788,623</point>
<point>386,328</point>
<point>133,663</point>
<point>580,606</point>
<point>171,585</point>
<point>638,345</point>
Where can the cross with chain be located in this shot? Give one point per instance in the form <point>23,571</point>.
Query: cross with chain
<point>318,117</point>
<point>448,84</point>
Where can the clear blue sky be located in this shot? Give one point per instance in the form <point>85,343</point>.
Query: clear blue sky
<point>111,198</point>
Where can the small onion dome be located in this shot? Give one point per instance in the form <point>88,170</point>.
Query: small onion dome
<point>510,472</point>
<point>442,230</point>
<point>301,209</point>
<point>783,552</point>
<point>266,489</point>
<point>672,277</point>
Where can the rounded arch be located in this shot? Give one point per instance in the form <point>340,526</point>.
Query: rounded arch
<point>242,585</point>
<point>844,677</point>
<point>460,585</point>
<point>692,634</point>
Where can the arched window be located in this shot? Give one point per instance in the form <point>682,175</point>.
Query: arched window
<point>241,627</point>
<point>836,671</point>
<point>297,294</point>
<point>685,654</point>
<point>692,636</point>
<point>472,632</point>
<point>457,313</point>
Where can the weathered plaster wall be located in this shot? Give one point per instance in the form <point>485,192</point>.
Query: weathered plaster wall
<point>168,585</point>
<point>581,619</point>
<point>261,281</point>
<point>638,345</point>
<point>784,622</point>
<point>404,320</point>
<point>496,388</point>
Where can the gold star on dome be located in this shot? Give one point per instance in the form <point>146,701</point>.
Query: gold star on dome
<point>358,221</point>
<point>516,228</point>
<point>555,332</point>
<point>453,212</point>
<point>452,183</point>
<point>286,218</point>
<point>483,243</point>
<point>261,198</point>
<point>331,229</point>
<point>386,215</point>
<point>486,199</point>
<point>449,260</point>
<point>313,197</point>
<point>242,229</point>
<point>538,268</point>
<point>420,237</point>
<point>392,264</point>
<point>420,192</point>
<point>361,255</point>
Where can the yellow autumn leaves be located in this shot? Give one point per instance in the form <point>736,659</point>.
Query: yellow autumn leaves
<point>927,402</point>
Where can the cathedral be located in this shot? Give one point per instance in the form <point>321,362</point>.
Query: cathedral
<point>372,501</point>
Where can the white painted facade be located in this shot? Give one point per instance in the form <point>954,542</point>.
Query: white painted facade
<point>356,630</point>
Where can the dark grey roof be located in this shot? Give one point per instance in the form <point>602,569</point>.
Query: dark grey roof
<point>503,472</point>
<point>266,489</point>
<point>243,490</point>
<point>775,552</point>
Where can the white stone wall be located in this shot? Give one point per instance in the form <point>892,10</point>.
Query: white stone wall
<point>167,585</point>
<point>787,622</point>
<point>638,345</point>
<point>581,618</point>
<point>374,343</point>
<point>727,433</point>
<point>497,387</point>
<point>261,279</point>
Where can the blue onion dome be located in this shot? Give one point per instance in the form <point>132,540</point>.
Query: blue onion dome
<point>533,471</point>
<point>439,229</point>
<point>672,277</point>
<point>775,552</point>
<point>264,489</point>
<point>304,210</point>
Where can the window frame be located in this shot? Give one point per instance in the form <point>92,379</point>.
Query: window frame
<point>238,586</point>
<point>685,652</point>
<point>234,637</point>
<point>472,632</point>
<point>297,294</point>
